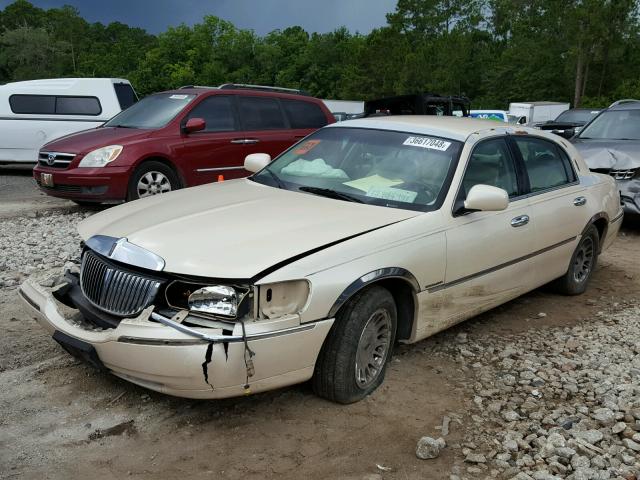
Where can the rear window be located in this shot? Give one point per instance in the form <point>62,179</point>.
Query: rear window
<point>55,105</point>
<point>126,95</point>
<point>304,114</point>
<point>260,113</point>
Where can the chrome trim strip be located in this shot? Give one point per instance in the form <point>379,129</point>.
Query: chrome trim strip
<point>618,217</point>
<point>220,169</point>
<point>121,250</point>
<point>498,267</point>
<point>44,152</point>
<point>222,338</point>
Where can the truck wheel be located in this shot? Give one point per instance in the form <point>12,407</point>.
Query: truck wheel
<point>152,178</point>
<point>353,359</point>
<point>583,263</point>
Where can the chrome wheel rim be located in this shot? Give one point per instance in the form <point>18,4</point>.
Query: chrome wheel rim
<point>583,261</point>
<point>373,348</point>
<point>153,183</point>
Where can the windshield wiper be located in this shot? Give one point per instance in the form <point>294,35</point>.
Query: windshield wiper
<point>279,183</point>
<point>327,192</point>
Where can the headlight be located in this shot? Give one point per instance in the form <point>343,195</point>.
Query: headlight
<point>101,156</point>
<point>214,300</point>
<point>283,298</point>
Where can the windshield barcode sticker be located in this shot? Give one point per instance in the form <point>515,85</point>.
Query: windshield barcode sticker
<point>426,142</point>
<point>178,97</point>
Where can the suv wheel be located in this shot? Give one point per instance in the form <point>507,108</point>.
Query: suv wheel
<point>354,357</point>
<point>152,178</point>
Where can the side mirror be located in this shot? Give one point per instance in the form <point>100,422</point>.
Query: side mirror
<point>522,121</point>
<point>255,162</point>
<point>194,125</point>
<point>485,198</point>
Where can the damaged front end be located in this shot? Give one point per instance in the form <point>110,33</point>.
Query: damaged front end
<point>189,337</point>
<point>620,160</point>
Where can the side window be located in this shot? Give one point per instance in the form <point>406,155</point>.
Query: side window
<point>217,112</point>
<point>260,113</point>
<point>304,114</point>
<point>545,165</point>
<point>78,106</point>
<point>126,95</point>
<point>491,164</point>
<point>34,104</point>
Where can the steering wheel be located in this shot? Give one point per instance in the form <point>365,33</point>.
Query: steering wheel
<point>430,190</point>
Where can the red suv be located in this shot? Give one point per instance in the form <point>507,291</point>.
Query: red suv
<point>176,139</point>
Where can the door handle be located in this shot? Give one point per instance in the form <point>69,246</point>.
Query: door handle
<point>579,201</point>
<point>245,141</point>
<point>520,221</point>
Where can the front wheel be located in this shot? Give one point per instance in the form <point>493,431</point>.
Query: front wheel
<point>152,178</point>
<point>583,263</point>
<point>354,357</point>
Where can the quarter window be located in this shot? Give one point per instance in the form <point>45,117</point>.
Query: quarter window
<point>547,167</point>
<point>217,112</point>
<point>261,113</point>
<point>54,105</point>
<point>304,114</point>
<point>491,164</point>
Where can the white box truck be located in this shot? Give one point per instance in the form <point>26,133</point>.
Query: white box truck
<point>534,113</point>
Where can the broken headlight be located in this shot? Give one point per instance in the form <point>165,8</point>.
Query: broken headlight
<point>228,301</point>
<point>282,298</point>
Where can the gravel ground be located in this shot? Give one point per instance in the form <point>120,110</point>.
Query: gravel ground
<point>515,394</point>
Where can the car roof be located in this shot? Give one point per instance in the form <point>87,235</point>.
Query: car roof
<point>626,106</point>
<point>455,128</point>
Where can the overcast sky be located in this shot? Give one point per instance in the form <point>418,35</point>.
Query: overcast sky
<point>262,16</point>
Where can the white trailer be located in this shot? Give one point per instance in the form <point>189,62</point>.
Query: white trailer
<point>344,106</point>
<point>533,113</point>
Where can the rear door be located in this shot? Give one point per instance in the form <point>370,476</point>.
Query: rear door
<point>207,155</point>
<point>304,117</point>
<point>558,204</point>
<point>265,127</point>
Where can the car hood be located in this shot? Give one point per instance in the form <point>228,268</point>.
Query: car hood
<point>87,140</point>
<point>609,154</point>
<point>237,229</point>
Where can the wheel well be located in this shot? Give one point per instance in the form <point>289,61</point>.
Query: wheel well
<point>166,162</point>
<point>404,297</point>
<point>601,224</point>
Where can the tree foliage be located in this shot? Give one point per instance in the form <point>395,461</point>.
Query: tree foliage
<point>494,51</point>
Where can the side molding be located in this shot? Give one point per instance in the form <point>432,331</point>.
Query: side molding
<point>368,278</point>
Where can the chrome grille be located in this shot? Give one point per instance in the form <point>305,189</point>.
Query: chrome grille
<point>623,174</point>
<point>113,289</point>
<point>55,159</point>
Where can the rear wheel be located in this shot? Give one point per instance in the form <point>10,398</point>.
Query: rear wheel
<point>353,359</point>
<point>583,263</point>
<point>152,178</point>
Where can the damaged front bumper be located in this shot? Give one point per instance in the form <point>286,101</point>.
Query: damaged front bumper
<point>161,354</point>
<point>630,195</point>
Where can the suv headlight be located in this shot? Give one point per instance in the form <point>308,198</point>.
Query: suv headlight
<point>283,298</point>
<point>101,156</point>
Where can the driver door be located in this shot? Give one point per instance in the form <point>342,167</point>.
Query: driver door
<point>487,252</point>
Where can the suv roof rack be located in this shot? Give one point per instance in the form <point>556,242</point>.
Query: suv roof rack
<point>264,88</point>
<point>195,86</point>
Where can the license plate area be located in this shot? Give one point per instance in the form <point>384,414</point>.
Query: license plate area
<point>79,349</point>
<point>46,179</point>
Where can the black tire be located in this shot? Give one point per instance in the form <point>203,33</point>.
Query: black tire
<point>334,377</point>
<point>583,263</point>
<point>157,170</point>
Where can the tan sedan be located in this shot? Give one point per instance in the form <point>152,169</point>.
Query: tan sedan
<point>366,233</point>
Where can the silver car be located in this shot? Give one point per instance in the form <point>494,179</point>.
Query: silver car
<point>610,144</point>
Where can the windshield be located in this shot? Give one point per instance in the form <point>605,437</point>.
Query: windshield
<point>378,167</point>
<point>614,125</point>
<point>576,116</point>
<point>154,111</point>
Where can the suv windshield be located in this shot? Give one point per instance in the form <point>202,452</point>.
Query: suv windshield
<point>154,111</point>
<point>378,167</point>
<point>576,116</point>
<point>614,125</point>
